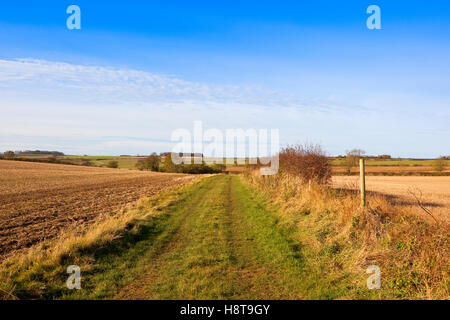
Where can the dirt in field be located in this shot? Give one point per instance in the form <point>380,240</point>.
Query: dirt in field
<point>39,200</point>
<point>434,192</point>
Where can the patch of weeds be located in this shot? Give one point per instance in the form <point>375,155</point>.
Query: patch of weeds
<point>321,235</point>
<point>400,245</point>
<point>400,287</point>
<point>405,280</point>
<point>304,212</point>
<point>332,250</point>
<point>355,221</point>
<point>412,244</point>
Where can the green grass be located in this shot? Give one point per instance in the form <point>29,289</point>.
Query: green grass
<point>106,266</point>
<point>125,162</point>
<point>228,247</point>
<point>216,242</point>
<point>219,238</point>
<point>129,162</point>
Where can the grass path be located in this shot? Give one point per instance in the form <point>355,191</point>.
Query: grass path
<point>216,238</point>
<point>217,241</point>
<point>227,247</point>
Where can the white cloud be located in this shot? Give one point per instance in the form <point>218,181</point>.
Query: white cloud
<point>78,108</point>
<point>98,84</point>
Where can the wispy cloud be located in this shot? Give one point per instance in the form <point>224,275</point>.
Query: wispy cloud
<point>106,110</point>
<point>100,84</point>
<point>80,107</point>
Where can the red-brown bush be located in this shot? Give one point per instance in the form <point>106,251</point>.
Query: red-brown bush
<point>308,161</point>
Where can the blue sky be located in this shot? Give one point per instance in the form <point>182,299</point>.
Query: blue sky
<point>138,70</point>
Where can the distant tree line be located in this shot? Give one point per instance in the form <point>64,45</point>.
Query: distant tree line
<point>181,154</point>
<point>38,152</point>
<point>46,157</point>
<point>381,156</point>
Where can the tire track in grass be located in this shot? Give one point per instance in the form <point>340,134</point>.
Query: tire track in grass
<point>196,264</point>
<point>214,239</point>
<point>270,262</point>
<point>229,247</point>
<point>121,263</point>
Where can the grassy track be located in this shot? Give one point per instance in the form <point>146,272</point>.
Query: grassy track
<point>217,241</point>
<point>227,247</point>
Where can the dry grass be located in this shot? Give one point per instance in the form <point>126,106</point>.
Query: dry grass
<point>434,192</point>
<point>345,239</point>
<point>390,169</point>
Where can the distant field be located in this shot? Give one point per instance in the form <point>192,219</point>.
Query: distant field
<point>392,162</point>
<point>39,200</point>
<point>373,166</point>
<point>392,170</point>
<point>125,162</point>
<point>393,167</point>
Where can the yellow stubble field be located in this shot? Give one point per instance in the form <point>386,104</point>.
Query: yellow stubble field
<point>433,192</point>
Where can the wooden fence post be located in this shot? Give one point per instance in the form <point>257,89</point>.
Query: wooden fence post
<point>362,174</point>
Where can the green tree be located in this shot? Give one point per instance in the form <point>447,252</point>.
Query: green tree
<point>150,163</point>
<point>168,165</point>
<point>140,164</point>
<point>112,164</point>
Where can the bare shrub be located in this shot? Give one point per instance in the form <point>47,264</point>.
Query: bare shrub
<point>86,162</point>
<point>51,159</point>
<point>352,158</point>
<point>112,164</point>
<point>9,155</point>
<point>439,165</point>
<point>307,161</point>
<point>152,163</point>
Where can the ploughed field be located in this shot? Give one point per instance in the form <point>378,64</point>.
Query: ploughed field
<point>433,192</point>
<point>39,200</point>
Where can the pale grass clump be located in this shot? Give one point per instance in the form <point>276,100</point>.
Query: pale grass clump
<point>53,254</point>
<point>411,251</point>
